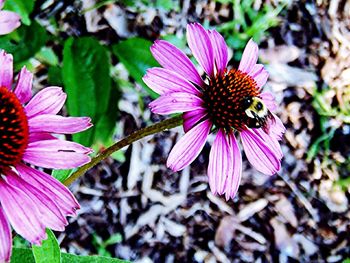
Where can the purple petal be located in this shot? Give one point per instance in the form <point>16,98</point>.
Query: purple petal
<point>189,146</point>
<point>50,215</point>
<point>64,199</point>
<point>191,118</point>
<point>170,57</point>
<point>259,154</point>
<point>163,81</point>
<point>200,45</point>
<point>40,136</point>
<point>56,154</point>
<point>269,100</point>
<point>220,51</point>
<point>235,179</point>
<point>5,238</point>
<point>277,128</point>
<point>9,21</point>
<point>249,57</point>
<point>22,213</point>
<point>23,88</point>
<point>220,163</point>
<point>2,3</point>
<point>6,70</point>
<point>176,102</point>
<point>58,124</point>
<point>47,101</point>
<point>259,74</point>
<point>271,142</point>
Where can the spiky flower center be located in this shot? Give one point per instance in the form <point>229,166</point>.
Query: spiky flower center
<point>13,129</point>
<point>225,99</point>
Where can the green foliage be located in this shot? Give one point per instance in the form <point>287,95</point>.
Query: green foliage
<point>24,43</point>
<point>49,251</point>
<point>86,78</point>
<point>101,245</point>
<point>248,23</point>
<point>61,175</point>
<point>21,255</point>
<point>23,8</point>
<point>136,56</point>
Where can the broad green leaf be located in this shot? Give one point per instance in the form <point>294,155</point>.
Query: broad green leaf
<point>31,39</point>
<point>61,175</point>
<point>86,78</point>
<point>136,56</point>
<point>23,8</point>
<point>21,255</point>
<point>49,251</point>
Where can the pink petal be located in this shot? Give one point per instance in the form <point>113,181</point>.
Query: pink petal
<point>164,81</point>
<point>220,163</point>
<point>269,100</point>
<point>40,136</point>
<point>56,154</point>
<point>220,51</point>
<point>50,215</point>
<point>235,179</point>
<point>170,57</point>
<point>22,213</point>
<point>277,128</point>
<point>200,45</point>
<point>259,154</point>
<point>249,57</point>
<point>189,146</point>
<point>6,69</point>
<point>63,198</point>
<point>191,118</point>
<point>270,141</point>
<point>23,88</point>
<point>176,102</point>
<point>58,124</point>
<point>5,238</point>
<point>47,101</point>
<point>9,21</point>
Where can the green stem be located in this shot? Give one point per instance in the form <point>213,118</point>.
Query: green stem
<point>133,137</point>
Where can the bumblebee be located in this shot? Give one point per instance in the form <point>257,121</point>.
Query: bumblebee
<point>257,113</point>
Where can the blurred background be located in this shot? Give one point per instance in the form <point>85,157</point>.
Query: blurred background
<point>133,207</point>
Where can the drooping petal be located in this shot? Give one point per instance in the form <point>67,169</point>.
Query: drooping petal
<point>270,141</point>
<point>220,163</point>
<point>189,146</point>
<point>22,213</point>
<point>269,100</point>
<point>47,101</point>
<point>163,81</point>
<point>170,57</point>
<point>277,128</point>
<point>176,102</point>
<point>58,124</point>
<point>56,154</point>
<point>234,180</point>
<point>50,215</point>
<point>6,69</point>
<point>40,136</point>
<point>259,154</point>
<point>201,47</point>
<point>63,198</point>
<point>220,51</point>
<point>5,238</point>
<point>191,118</point>
<point>249,57</point>
<point>23,88</point>
<point>9,21</point>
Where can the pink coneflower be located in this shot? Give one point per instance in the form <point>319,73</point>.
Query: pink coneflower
<point>31,200</point>
<point>228,101</point>
<point>9,21</point>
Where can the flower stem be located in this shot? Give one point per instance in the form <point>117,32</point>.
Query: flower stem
<point>133,137</point>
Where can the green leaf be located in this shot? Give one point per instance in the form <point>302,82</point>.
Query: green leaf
<point>49,251</point>
<point>31,39</point>
<point>20,255</point>
<point>23,8</point>
<point>86,78</point>
<point>47,56</point>
<point>136,56</point>
<point>61,175</point>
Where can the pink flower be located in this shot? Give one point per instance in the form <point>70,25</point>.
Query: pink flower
<point>9,21</point>
<point>31,200</point>
<point>227,101</point>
